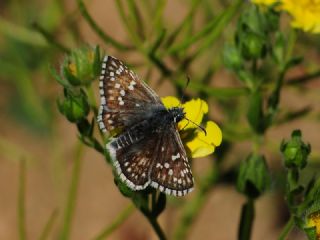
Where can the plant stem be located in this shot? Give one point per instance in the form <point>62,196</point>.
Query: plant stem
<point>116,223</point>
<point>50,38</point>
<point>72,197</point>
<point>192,209</point>
<point>21,34</point>
<point>21,201</point>
<point>287,228</point>
<point>48,227</point>
<point>156,227</point>
<point>98,30</point>
<point>247,217</point>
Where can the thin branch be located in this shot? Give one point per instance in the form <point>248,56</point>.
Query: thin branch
<point>21,201</point>
<point>72,197</point>
<point>48,227</point>
<point>192,209</point>
<point>288,227</point>
<point>116,223</point>
<point>50,38</point>
<point>106,38</point>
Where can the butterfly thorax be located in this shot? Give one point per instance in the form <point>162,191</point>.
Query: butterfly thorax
<point>176,113</point>
<point>162,118</point>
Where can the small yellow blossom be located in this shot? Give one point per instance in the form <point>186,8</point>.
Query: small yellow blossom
<point>199,145</point>
<point>314,221</point>
<point>265,2</point>
<point>305,13</point>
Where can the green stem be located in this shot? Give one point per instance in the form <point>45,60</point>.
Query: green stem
<point>139,44</point>
<point>287,228</point>
<point>106,38</point>
<point>304,79</point>
<point>212,29</point>
<point>50,38</point>
<point>156,227</point>
<point>72,197</point>
<point>219,27</point>
<point>21,201</point>
<point>192,209</point>
<point>291,43</point>
<point>21,34</point>
<point>247,217</point>
<point>116,223</point>
<point>48,227</point>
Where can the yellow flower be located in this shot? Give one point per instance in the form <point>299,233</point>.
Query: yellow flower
<point>265,2</point>
<point>305,13</point>
<point>197,143</point>
<point>314,221</point>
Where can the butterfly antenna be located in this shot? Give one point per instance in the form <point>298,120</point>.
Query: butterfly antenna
<point>184,90</point>
<point>202,128</point>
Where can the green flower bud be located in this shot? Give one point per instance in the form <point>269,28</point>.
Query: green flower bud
<point>253,177</point>
<point>82,66</point>
<point>253,46</point>
<point>74,106</point>
<point>231,57</point>
<point>295,151</point>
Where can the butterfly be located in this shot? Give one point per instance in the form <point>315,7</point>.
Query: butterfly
<point>146,148</point>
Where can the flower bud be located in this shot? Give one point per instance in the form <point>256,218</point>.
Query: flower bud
<point>253,46</point>
<point>295,151</point>
<point>253,177</point>
<point>82,66</point>
<point>74,106</point>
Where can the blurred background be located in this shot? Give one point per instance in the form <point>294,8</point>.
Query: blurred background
<point>36,35</point>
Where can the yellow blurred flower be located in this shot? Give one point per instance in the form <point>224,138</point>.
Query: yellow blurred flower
<point>265,2</point>
<point>305,13</point>
<point>314,221</point>
<point>199,144</point>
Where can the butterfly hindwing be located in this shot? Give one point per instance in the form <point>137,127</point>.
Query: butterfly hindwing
<point>132,154</point>
<point>171,172</point>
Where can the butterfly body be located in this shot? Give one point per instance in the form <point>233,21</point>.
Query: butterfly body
<point>146,149</point>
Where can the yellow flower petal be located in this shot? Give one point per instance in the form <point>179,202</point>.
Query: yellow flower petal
<point>203,145</point>
<point>265,2</point>
<point>314,221</point>
<point>194,109</point>
<point>305,14</point>
<point>170,102</point>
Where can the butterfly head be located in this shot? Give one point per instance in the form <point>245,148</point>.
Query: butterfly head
<point>177,114</point>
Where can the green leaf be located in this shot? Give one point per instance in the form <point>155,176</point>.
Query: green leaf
<point>253,177</point>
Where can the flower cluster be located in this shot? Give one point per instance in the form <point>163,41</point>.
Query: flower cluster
<point>198,143</point>
<point>305,13</point>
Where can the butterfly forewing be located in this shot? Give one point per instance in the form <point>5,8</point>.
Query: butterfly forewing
<point>171,172</point>
<point>124,97</point>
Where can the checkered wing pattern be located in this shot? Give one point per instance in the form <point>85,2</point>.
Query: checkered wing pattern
<point>171,172</point>
<point>124,97</point>
<point>158,160</point>
<point>132,155</point>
